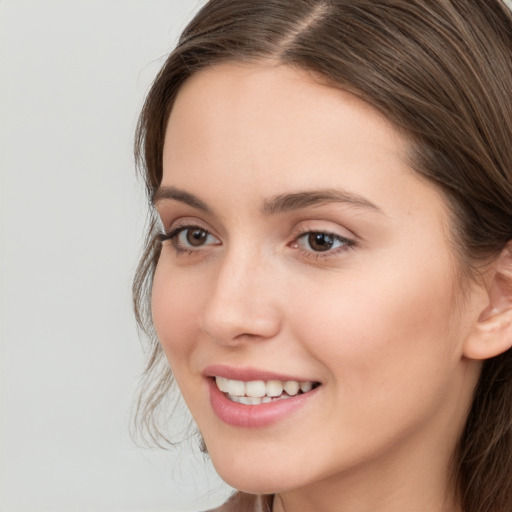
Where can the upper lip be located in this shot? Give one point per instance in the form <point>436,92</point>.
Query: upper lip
<point>247,374</point>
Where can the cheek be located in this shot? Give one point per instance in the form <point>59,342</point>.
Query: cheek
<point>381,330</point>
<point>176,306</point>
<point>388,354</point>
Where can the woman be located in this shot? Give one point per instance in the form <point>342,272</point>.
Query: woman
<point>329,260</point>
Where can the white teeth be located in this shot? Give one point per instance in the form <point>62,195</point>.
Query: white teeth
<point>235,387</point>
<point>222,384</point>
<point>291,387</point>
<point>252,400</point>
<point>256,392</point>
<point>306,386</point>
<point>255,388</point>
<point>274,388</point>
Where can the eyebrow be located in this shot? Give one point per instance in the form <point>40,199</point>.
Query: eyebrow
<point>274,205</point>
<point>176,194</point>
<point>295,201</point>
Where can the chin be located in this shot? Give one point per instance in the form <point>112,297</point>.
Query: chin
<point>251,476</point>
<point>252,482</point>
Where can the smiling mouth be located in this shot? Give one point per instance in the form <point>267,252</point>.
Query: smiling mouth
<point>256,392</point>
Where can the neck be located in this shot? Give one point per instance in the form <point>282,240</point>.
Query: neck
<point>419,484</point>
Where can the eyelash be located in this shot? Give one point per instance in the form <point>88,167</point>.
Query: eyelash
<point>172,236</point>
<point>346,243</point>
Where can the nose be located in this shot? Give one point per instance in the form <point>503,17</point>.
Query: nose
<point>243,303</point>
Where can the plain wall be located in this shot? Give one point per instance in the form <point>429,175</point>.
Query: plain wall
<point>73,74</point>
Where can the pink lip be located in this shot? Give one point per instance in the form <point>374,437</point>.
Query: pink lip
<point>254,416</point>
<point>247,374</point>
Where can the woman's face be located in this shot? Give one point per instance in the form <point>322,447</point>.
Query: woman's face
<point>303,252</point>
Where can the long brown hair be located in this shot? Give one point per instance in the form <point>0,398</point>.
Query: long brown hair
<point>441,71</point>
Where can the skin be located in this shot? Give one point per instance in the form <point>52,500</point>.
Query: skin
<point>379,322</point>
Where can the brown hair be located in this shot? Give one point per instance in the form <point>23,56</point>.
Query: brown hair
<point>441,71</point>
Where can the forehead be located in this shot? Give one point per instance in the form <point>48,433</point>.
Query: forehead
<point>273,118</point>
<point>261,90</point>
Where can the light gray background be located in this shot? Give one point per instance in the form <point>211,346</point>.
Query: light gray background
<point>73,74</point>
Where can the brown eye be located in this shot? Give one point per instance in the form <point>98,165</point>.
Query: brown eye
<point>316,243</point>
<point>191,238</point>
<point>320,242</point>
<point>196,237</point>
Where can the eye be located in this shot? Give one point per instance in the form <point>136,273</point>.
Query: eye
<point>195,237</point>
<point>322,242</point>
<point>189,238</point>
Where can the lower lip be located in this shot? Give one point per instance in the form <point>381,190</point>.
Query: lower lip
<point>253,416</point>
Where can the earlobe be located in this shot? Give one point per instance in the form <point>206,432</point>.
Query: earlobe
<point>492,333</point>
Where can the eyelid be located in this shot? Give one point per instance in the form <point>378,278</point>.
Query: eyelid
<point>337,232</point>
<point>346,243</point>
<point>323,226</point>
<point>185,222</point>
<point>173,234</point>
<point>181,247</point>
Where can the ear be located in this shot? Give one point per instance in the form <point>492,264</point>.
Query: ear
<point>491,335</point>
